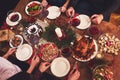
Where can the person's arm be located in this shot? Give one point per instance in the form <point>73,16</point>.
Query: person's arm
<point>37,75</point>
<point>42,68</point>
<point>65,5</point>
<point>44,3</point>
<point>73,3</point>
<point>114,5</point>
<point>9,52</point>
<point>22,76</point>
<point>26,75</point>
<point>108,8</point>
<point>33,64</point>
<point>97,18</point>
<point>71,11</point>
<point>105,14</point>
<point>74,75</point>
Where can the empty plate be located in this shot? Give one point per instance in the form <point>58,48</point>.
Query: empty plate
<point>54,12</point>
<point>24,52</point>
<point>60,67</point>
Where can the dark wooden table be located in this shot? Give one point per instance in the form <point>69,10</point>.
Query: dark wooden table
<point>104,27</point>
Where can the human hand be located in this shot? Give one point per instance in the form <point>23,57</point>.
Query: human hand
<point>74,75</point>
<point>97,18</point>
<point>35,60</point>
<point>44,66</point>
<point>9,52</point>
<point>63,9</point>
<point>44,3</point>
<point>70,12</point>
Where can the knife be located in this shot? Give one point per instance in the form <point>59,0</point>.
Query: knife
<point>74,66</point>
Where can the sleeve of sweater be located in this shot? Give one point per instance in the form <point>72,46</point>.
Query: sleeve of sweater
<point>37,75</point>
<point>22,76</point>
<point>73,3</point>
<point>114,5</point>
<point>105,7</point>
<point>26,76</point>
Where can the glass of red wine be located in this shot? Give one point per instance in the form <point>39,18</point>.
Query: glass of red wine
<point>66,51</point>
<point>13,16</point>
<point>75,22</point>
<point>93,30</point>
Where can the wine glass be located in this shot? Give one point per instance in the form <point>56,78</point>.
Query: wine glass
<point>75,22</point>
<point>93,30</point>
<point>43,15</point>
<point>66,51</point>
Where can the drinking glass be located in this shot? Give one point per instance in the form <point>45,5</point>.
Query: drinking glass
<point>43,15</point>
<point>75,22</point>
<point>66,51</point>
<point>93,30</point>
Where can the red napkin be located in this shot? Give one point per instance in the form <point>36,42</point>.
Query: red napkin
<point>6,26</point>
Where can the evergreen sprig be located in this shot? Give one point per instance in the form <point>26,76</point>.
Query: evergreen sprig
<point>50,36</point>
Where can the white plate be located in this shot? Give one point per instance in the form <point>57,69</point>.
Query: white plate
<point>24,52</point>
<point>60,67</point>
<point>9,22</point>
<point>28,7</point>
<point>19,44</point>
<point>85,21</point>
<point>54,12</point>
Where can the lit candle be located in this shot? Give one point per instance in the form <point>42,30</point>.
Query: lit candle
<point>58,32</point>
<point>99,55</point>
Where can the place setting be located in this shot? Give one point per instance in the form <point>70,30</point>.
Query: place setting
<point>23,50</point>
<point>53,12</point>
<point>60,67</point>
<point>13,18</point>
<point>80,21</point>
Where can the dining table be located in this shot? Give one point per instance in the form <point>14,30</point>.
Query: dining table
<point>85,68</point>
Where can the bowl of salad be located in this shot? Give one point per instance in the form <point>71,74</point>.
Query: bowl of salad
<point>33,8</point>
<point>102,72</point>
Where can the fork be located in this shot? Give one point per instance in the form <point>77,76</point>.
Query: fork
<point>70,19</point>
